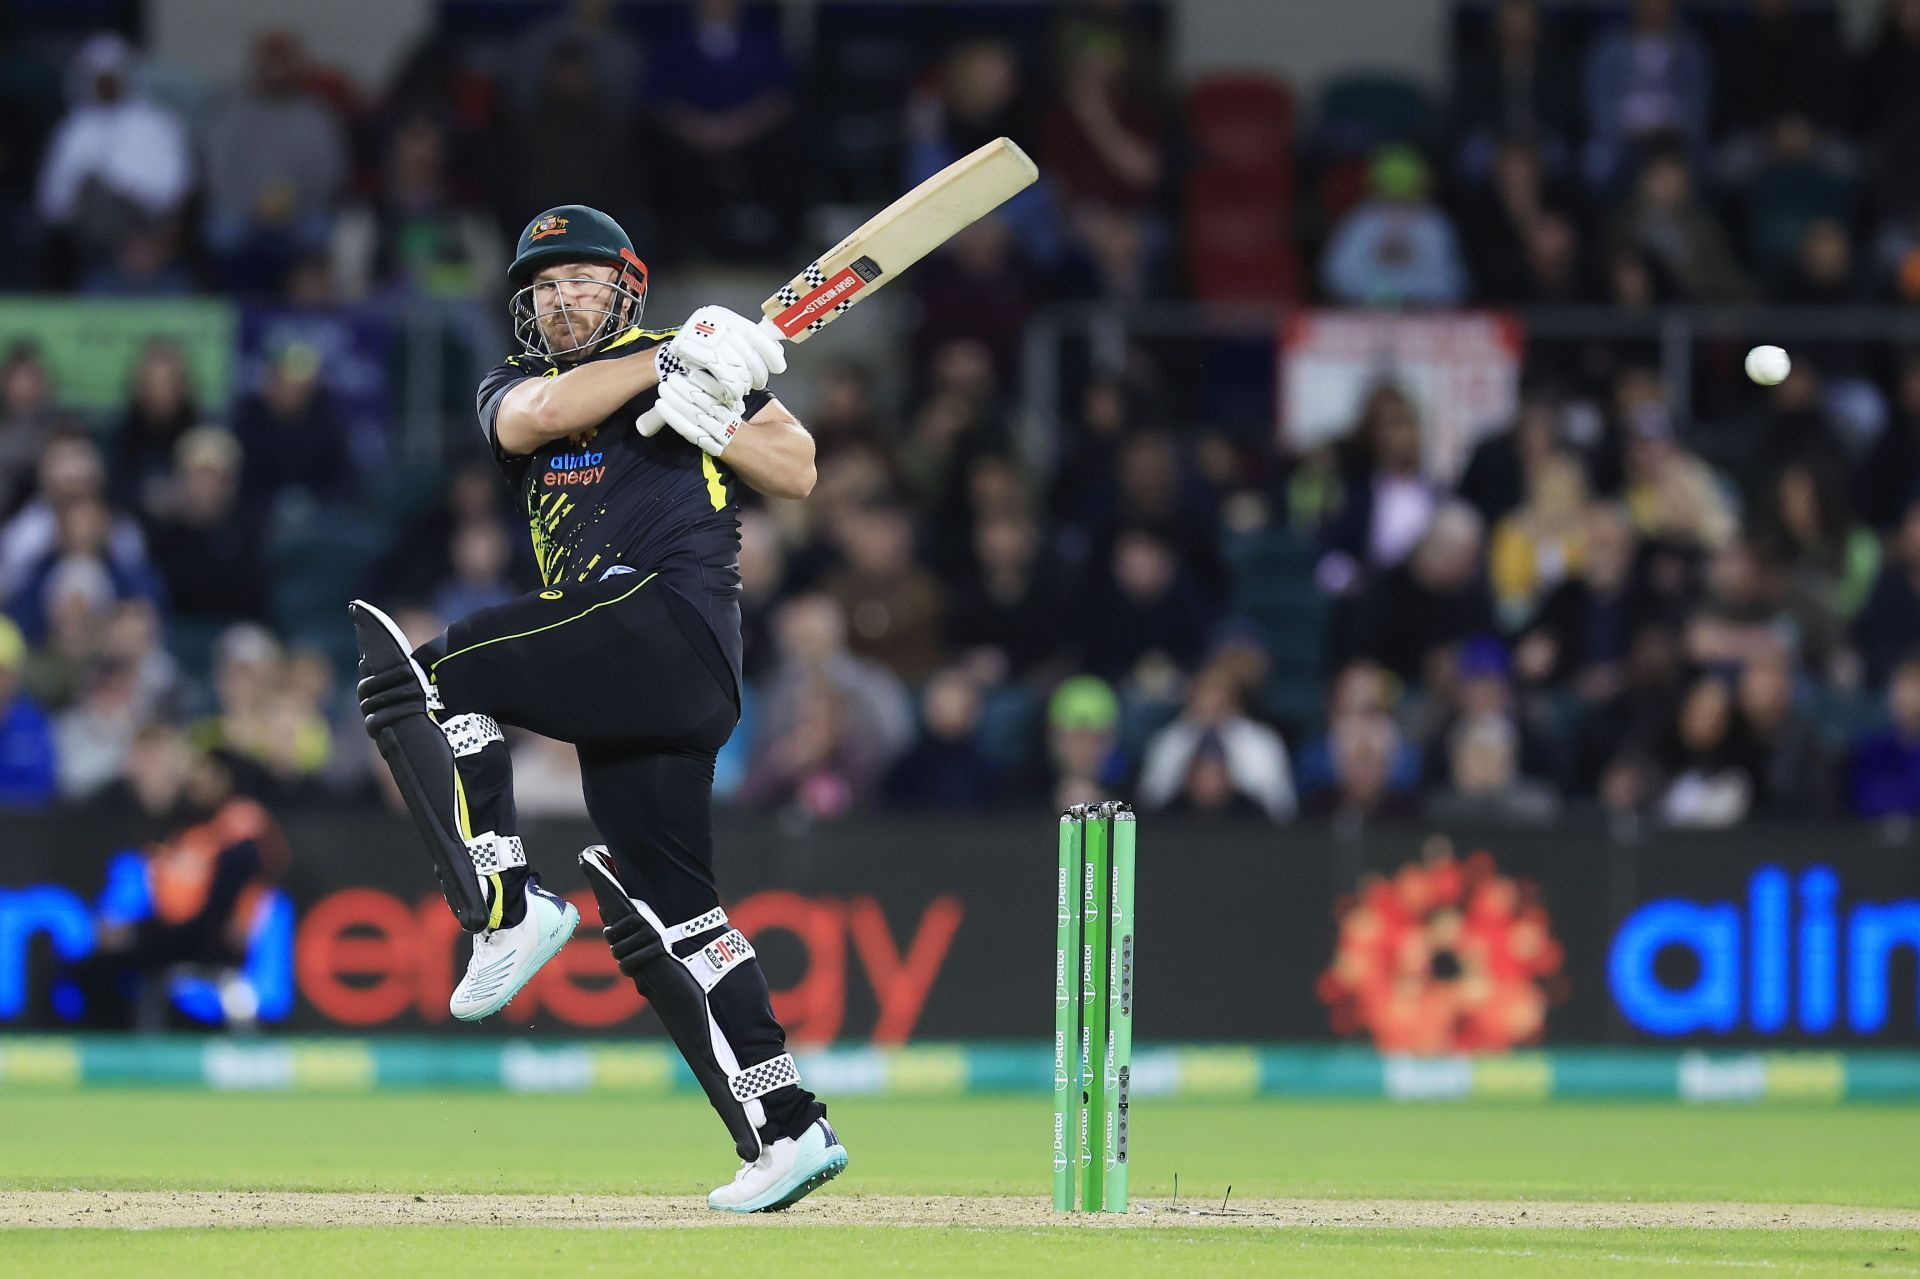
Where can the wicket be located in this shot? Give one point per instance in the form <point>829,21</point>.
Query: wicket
<point>1093,1007</point>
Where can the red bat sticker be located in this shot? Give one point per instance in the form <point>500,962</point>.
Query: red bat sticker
<point>815,304</point>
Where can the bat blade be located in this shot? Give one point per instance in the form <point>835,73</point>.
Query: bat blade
<point>898,236</point>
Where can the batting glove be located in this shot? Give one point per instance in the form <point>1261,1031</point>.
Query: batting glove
<point>707,420</point>
<point>729,345</point>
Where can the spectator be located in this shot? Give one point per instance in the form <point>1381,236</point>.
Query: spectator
<point>1213,732</point>
<point>820,765</point>
<point>1083,719</point>
<point>947,769</point>
<point>1007,622</point>
<point>1888,481</point>
<point>93,736</point>
<point>160,411</point>
<point>1520,86</point>
<point>293,438</point>
<point>721,84</point>
<point>480,556</point>
<point>419,558</point>
<point>417,238</point>
<point>1887,93</point>
<point>1360,688</point>
<point>70,472</point>
<point>592,27</point>
<point>812,632</point>
<point>977,96</point>
<point>1666,220</point>
<point>81,559</point>
<point>28,422</point>
<point>260,716</point>
<point>1520,206</point>
<point>1148,620</point>
<point>207,545</point>
<point>1484,783</point>
<point>1415,614</point>
<point>1673,497</point>
<point>1614,745</point>
<point>1795,773</point>
<point>1784,58</point>
<point>1101,142</point>
<point>198,889</point>
<point>1389,500</point>
<point>1886,764</point>
<point>1363,751</point>
<point>1398,247</point>
<point>28,774</point>
<point>1823,272</point>
<point>1647,78</point>
<point>977,290</point>
<point>1829,563</point>
<point>1495,480</point>
<point>1740,615</point>
<point>1541,544</point>
<point>1707,761</point>
<point>566,104</point>
<point>1580,634</point>
<point>1795,186</point>
<point>893,606</point>
<point>275,161</point>
<point>1885,629</point>
<point>118,164</point>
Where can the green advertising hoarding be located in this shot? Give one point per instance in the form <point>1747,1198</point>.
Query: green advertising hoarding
<point>90,345</point>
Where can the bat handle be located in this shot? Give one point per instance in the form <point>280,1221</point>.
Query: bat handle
<point>772,330</point>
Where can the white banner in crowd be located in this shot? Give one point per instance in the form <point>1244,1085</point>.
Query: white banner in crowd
<point>1462,371</point>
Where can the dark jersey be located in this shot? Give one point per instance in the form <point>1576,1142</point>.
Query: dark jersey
<point>610,498</point>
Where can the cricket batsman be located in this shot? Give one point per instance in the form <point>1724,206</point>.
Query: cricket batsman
<point>630,651</point>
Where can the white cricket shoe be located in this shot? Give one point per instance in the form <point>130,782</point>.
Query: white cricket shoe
<point>786,1172</point>
<point>505,959</point>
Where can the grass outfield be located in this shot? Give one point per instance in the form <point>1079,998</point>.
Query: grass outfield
<point>451,1143</point>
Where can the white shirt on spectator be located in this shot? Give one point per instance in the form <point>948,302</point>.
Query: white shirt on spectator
<point>132,147</point>
<point>1256,758</point>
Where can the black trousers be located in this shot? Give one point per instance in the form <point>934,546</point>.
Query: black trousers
<point>626,670</point>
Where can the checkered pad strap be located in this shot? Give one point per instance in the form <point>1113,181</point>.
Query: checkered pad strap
<point>471,734</point>
<point>757,1081</point>
<point>493,853</point>
<point>719,957</point>
<point>715,918</point>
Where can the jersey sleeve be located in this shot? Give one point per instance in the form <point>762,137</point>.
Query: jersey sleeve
<point>494,386</point>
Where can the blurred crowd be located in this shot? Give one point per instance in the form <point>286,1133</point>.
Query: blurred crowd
<point>1606,610</point>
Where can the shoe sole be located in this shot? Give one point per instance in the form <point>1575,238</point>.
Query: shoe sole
<point>836,1163</point>
<point>569,921</point>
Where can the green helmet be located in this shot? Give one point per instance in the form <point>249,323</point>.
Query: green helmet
<point>574,233</point>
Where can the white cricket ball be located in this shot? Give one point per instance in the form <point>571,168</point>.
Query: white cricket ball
<point>1768,365</point>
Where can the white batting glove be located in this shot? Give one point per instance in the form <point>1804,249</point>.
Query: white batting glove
<point>727,345</point>
<point>699,416</point>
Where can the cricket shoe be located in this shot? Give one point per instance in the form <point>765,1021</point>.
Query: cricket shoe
<point>787,1171</point>
<point>505,959</point>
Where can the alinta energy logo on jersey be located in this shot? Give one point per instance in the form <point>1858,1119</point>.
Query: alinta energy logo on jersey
<point>1444,955</point>
<point>567,470</point>
<point>549,225</point>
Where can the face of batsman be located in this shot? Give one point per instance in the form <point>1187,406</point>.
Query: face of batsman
<point>568,309</point>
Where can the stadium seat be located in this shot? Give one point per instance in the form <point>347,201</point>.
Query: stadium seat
<point>1242,121</point>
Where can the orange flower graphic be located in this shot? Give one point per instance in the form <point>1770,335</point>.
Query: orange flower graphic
<point>1443,956</point>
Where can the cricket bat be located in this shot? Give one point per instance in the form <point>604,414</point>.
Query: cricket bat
<point>890,241</point>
